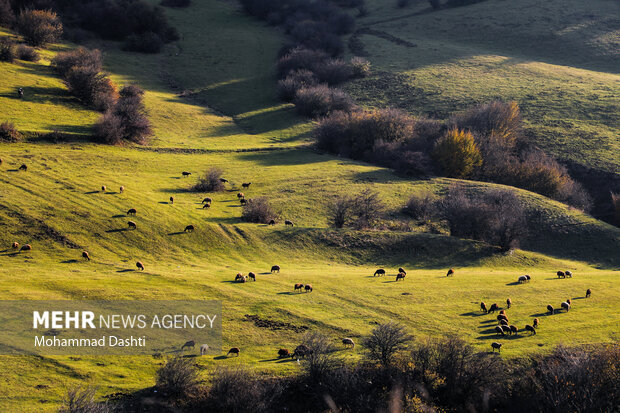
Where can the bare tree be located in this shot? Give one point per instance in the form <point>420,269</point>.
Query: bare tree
<point>385,341</point>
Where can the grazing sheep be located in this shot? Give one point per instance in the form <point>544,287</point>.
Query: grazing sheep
<point>243,201</point>
<point>238,276</point>
<point>207,200</point>
<point>171,200</point>
<point>508,302</point>
<point>499,330</point>
<point>132,225</point>
<point>240,195</point>
<point>132,211</point>
<point>140,266</point>
<point>301,351</point>
<point>502,311</point>
<point>283,352</point>
<point>203,349</point>
<point>530,329</point>
<point>189,228</point>
<point>299,287</point>
<point>272,222</point>
<point>188,344</point>
<point>275,268</point>
<point>26,247</point>
<point>379,272</point>
<point>497,346</point>
<point>246,185</point>
<point>503,322</point>
<point>206,206</point>
<point>505,328</point>
<point>103,188</point>
<point>234,350</point>
<point>450,272</point>
<point>400,276</point>
<point>522,279</point>
<point>121,189</point>
<point>569,302</point>
<point>223,180</point>
<point>494,308</point>
<point>401,269</point>
<point>513,329</point>
<point>16,246</point>
<point>252,276</point>
<point>24,167</point>
<point>588,293</point>
<point>348,342</point>
<point>565,306</point>
<point>561,274</point>
<point>568,274</point>
<point>536,323</point>
<point>308,288</point>
<point>502,317</point>
<point>20,93</point>
<point>186,173</point>
<point>528,277</point>
<point>287,222</point>
<point>483,307</point>
<point>550,309</point>
<point>85,255</point>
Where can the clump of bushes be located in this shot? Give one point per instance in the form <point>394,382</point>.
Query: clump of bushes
<point>148,42</point>
<point>360,211</point>
<point>27,53</point>
<point>211,181</point>
<point>360,67</point>
<point>320,100</point>
<point>39,27</point>
<point>64,62</point>
<point>258,210</point>
<point>298,79</point>
<point>8,133</point>
<point>178,377</point>
<point>82,400</point>
<point>126,121</point>
<point>7,50</point>
<point>421,206</point>
<point>457,154</point>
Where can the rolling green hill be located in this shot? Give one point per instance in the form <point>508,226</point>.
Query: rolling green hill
<point>211,99</point>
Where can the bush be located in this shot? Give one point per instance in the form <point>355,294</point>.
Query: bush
<point>340,211</point>
<point>8,133</point>
<point>81,57</point>
<point>94,89</point>
<point>458,154</point>
<point>178,377</point>
<point>496,217</point>
<point>7,51</point>
<point>299,58</point>
<point>320,100</point>
<point>148,42</point>
<point>360,67</point>
<point>27,53</point>
<point>210,182</point>
<point>127,121</point>
<point>332,71</point>
<point>82,400</point>
<point>385,341</point>
<point>360,211</point>
<point>288,87</point>
<point>421,206</point>
<point>499,119</point>
<point>258,210</point>
<point>176,3</point>
<point>39,27</point>
<point>318,362</point>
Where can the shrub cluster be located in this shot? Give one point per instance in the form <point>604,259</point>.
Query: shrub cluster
<point>211,181</point>
<point>359,211</point>
<point>143,26</point>
<point>27,53</point>
<point>7,50</point>
<point>8,133</point>
<point>258,210</point>
<point>321,100</point>
<point>81,72</point>
<point>483,143</point>
<point>126,120</point>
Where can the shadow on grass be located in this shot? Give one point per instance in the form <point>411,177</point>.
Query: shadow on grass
<point>176,233</point>
<point>69,261</point>
<point>126,270</point>
<point>117,230</point>
<point>474,314</point>
<point>119,216</point>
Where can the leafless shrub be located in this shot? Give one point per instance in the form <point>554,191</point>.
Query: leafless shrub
<point>39,27</point>
<point>211,181</point>
<point>178,377</point>
<point>8,133</point>
<point>27,53</point>
<point>421,206</point>
<point>82,400</point>
<point>258,210</point>
<point>385,341</point>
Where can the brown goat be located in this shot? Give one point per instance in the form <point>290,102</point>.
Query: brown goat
<point>283,352</point>
<point>234,350</point>
<point>299,287</point>
<point>132,225</point>
<point>275,268</point>
<point>450,272</point>
<point>588,293</point>
<point>536,323</point>
<point>15,245</point>
<point>308,288</point>
<point>240,195</point>
<point>494,308</point>
<point>140,265</point>
<point>26,247</point>
<point>85,255</point>
<point>301,351</point>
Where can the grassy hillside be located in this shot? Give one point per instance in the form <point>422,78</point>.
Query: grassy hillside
<point>211,101</point>
<point>557,59</point>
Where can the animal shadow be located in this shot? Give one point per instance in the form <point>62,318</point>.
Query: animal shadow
<point>92,192</point>
<point>473,314</point>
<point>220,358</point>
<point>514,283</point>
<point>126,270</point>
<point>287,293</point>
<point>119,216</point>
<point>117,230</point>
<point>69,261</point>
<point>176,233</point>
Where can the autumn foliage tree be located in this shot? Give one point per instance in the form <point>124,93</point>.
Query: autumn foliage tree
<point>39,27</point>
<point>458,154</point>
